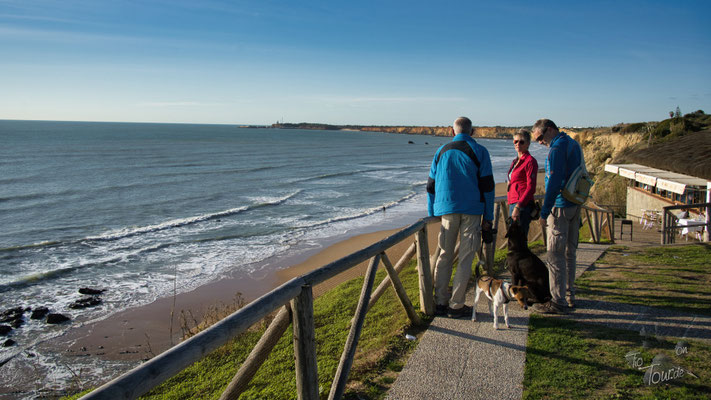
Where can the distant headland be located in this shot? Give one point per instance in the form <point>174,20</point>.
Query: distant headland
<point>479,131</point>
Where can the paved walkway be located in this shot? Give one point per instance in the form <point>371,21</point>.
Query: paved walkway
<point>461,359</point>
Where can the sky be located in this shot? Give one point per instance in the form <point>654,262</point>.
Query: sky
<point>579,63</point>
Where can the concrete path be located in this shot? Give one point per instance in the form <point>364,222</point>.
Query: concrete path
<point>461,359</point>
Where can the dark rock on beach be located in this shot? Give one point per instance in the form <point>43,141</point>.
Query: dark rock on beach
<point>84,302</point>
<point>5,329</point>
<point>8,343</point>
<point>57,318</point>
<point>12,314</point>
<point>39,313</point>
<point>17,323</point>
<point>91,291</point>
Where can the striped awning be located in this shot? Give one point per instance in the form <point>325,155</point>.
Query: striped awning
<point>664,180</point>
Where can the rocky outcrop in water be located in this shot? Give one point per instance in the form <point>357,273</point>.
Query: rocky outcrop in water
<point>84,302</point>
<point>39,312</point>
<point>91,291</point>
<point>57,318</point>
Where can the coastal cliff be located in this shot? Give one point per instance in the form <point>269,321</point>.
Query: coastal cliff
<point>499,132</point>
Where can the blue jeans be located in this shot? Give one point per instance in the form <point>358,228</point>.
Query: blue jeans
<point>524,217</point>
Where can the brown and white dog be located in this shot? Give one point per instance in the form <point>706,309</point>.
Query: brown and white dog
<point>499,293</point>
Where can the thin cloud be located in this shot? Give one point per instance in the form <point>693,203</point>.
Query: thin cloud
<point>171,104</point>
<point>37,18</point>
<point>388,99</point>
<point>61,36</point>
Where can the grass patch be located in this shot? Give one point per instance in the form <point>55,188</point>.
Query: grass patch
<point>677,278</point>
<point>572,360</point>
<point>382,350</point>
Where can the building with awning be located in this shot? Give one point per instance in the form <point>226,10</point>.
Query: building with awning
<point>653,189</point>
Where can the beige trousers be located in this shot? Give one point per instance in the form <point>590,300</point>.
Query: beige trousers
<point>562,235</point>
<point>468,229</point>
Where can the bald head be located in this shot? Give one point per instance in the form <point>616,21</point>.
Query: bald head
<point>462,125</point>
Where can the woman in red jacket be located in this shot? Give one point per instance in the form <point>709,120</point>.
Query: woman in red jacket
<point>522,181</point>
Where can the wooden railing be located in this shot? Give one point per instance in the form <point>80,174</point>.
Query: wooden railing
<point>294,300</point>
<point>669,221</point>
<point>599,220</point>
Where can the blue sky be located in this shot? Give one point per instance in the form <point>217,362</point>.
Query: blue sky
<point>354,62</point>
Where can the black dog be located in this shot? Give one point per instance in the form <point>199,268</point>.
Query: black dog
<point>525,267</point>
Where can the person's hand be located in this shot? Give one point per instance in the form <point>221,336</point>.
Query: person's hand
<point>543,223</point>
<point>487,225</point>
<point>515,213</point>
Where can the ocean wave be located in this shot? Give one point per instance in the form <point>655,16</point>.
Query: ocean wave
<point>180,222</point>
<point>229,171</point>
<point>43,276</point>
<point>30,246</point>
<point>41,195</point>
<point>361,214</point>
<point>38,277</point>
<point>348,173</point>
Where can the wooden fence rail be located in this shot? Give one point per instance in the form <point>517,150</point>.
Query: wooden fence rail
<point>597,218</point>
<point>295,298</point>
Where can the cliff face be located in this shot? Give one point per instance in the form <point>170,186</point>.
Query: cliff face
<point>479,131</point>
<point>601,146</point>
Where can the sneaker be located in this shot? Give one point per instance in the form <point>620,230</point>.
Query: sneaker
<point>548,308</point>
<point>464,311</point>
<point>440,310</point>
<point>570,299</point>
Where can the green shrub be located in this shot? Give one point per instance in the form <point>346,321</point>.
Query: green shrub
<point>611,190</point>
<point>636,127</point>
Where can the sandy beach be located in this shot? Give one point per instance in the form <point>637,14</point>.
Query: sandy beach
<point>143,332</point>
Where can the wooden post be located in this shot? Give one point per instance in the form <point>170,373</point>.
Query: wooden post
<point>258,355</point>
<point>587,216</point>
<point>612,226</point>
<point>664,226</point>
<point>425,273</point>
<point>404,260</point>
<point>344,366</point>
<point>305,345</point>
<point>400,291</point>
<point>435,256</point>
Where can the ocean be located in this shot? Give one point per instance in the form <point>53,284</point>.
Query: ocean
<point>138,208</point>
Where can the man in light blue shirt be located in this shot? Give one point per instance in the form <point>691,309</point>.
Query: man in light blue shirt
<point>560,216</point>
<point>460,190</point>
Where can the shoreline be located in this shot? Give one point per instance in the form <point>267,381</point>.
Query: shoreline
<point>128,335</point>
<point>124,339</point>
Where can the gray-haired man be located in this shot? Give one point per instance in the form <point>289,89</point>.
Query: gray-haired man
<point>560,216</point>
<point>460,191</point>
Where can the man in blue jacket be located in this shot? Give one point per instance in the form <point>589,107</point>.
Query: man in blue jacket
<point>460,190</point>
<point>560,216</point>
